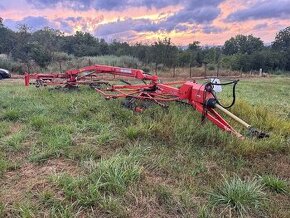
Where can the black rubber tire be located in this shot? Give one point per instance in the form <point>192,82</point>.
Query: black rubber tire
<point>1,77</point>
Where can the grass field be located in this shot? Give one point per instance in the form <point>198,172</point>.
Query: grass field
<point>73,154</point>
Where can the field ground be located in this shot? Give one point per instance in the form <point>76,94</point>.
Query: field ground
<point>73,154</point>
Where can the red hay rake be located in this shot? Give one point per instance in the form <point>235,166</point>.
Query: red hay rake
<point>201,97</point>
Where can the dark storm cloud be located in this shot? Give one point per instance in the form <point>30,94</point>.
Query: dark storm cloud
<point>34,22</point>
<point>262,10</point>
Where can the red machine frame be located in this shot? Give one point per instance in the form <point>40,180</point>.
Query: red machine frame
<point>200,96</point>
<point>85,75</point>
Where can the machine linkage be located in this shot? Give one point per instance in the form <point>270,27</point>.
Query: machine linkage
<point>138,97</point>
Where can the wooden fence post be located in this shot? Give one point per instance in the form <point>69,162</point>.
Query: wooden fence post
<point>174,68</point>
<point>60,68</point>
<point>218,70</point>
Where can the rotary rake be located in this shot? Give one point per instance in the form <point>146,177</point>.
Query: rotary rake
<point>201,97</point>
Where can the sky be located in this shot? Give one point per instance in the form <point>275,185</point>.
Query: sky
<point>211,22</point>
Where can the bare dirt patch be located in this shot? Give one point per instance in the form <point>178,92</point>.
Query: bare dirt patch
<point>30,177</point>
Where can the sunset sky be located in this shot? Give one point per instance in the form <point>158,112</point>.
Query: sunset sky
<point>209,21</point>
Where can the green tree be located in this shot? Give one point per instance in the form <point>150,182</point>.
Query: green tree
<point>196,53</point>
<point>21,49</point>
<point>1,22</point>
<point>40,55</point>
<point>282,46</point>
<point>164,52</point>
<point>7,39</point>
<point>282,40</point>
<point>243,45</point>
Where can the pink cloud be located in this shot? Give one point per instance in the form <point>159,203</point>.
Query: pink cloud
<point>182,20</point>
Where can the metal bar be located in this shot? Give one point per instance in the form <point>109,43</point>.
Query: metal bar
<point>239,120</point>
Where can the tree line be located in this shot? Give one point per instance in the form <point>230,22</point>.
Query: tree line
<point>240,53</point>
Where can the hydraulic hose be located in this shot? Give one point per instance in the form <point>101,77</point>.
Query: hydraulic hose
<point>235,82</point>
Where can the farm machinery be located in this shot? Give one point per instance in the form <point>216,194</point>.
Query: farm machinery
<point>201,97</point>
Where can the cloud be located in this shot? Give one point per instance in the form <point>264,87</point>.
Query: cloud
<point>262,10</point>
<point>108,5</point>
<point>198,15</point>
<point>111,5</point>
<point>124,36</point>
<point>34,22</point>
<point>65,27</point>
<point>194,12</point>
<point>260,26</point>
<point>212,29</point>
<point>198,3</point>
<point>78,5</point>
<point>85,24</point>
<point>137,26</point>
<point>120,26</point>
<point>122,4</point>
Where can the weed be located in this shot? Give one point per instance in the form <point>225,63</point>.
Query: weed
<point>14,141</point>
<point>11,115</point>
<point>3,164</point>
<point>25,210</point>
<point>4,129</point>
<point>200,168</point>
<point>64,211</point>
<point>117,173</point>
<point>133,132</point>
<point>2,209</point>
<point>57,207</point>
<point>111,175</point>
<point>42,155</point>
<point>40,121</point>
<point>203,212</point>
<point>275,183</point>
<point>164,196</point>
<point>112,206</point>
<point>238,195</point>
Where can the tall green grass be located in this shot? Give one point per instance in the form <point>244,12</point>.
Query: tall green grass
<point>106,179</point>
<point>116,176</point>
<point>275,184</point>
<point>237,195</point>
